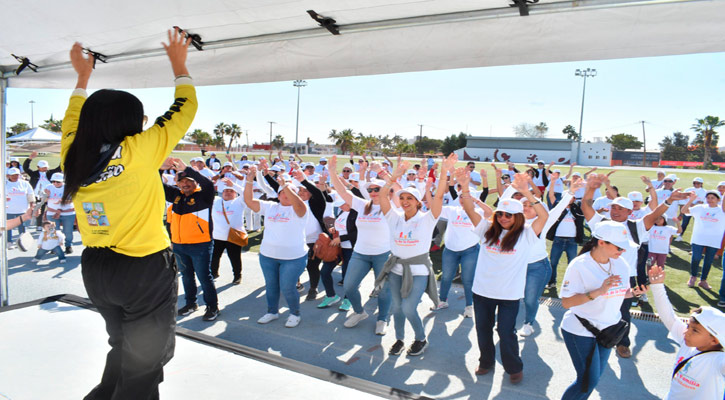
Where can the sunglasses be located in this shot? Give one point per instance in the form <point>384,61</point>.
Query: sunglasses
<point>375,189</point>
<point>501,214</point>
<point>346,170</point>
<point>505,177</point>
<point>668,181</point>
<point>617,247</point>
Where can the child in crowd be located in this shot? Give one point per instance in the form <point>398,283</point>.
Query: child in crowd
<point>699,369</point>
<point>660,237</point>
<point>50,240</point>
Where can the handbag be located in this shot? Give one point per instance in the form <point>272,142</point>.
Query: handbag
<point>240,238</point>
<point>609,336</point>
<point>323,250</point>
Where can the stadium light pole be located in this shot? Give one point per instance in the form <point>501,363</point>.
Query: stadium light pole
<point>584,73</point>
<point>299,84</point>
<point>32,123</point>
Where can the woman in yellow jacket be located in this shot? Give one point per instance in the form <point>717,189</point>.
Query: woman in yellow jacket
<point>111,168</point>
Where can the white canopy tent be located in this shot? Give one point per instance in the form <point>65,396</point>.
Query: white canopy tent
<point>246,41</point>
<point>35,135</point>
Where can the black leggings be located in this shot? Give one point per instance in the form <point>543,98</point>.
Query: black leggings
<point>234,253</point>
<point>313,266</point>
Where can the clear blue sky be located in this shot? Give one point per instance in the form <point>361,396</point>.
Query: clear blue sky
<point>669,93</point>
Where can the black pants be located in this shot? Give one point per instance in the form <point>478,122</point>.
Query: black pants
<point>626,304</point>
<point>642,256</point>
<point>486,318</point>
<point>313,266</point>
<point>234,253</point>
<point>136,296</point>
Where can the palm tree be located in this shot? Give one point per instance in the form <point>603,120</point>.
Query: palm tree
<point>234,132</point>
<point>345,139</point>
<point>278,142</point>
<point>706,126</point>
<point>199,137</point>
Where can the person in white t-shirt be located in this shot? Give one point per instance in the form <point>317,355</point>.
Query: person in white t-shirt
<point>346,233</point>
<point>19,197</point>
<point>283,251</point>
<point>370,250</point>
<point>701,192</point>
<point>706,235</point>
<point>500,276</point>
<point>58,212</point>
<point>699,368</point>
<point>409,270</point>
<point>594,288</point>
<point>660,237</point>
<point>226,213</point>
<point>49,241</point>
<point>657,183</point>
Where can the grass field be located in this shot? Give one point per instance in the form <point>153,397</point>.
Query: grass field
<point>678,263</point>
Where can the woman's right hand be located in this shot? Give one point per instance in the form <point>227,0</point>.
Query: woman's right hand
<point>656,274</point>
<point>176,50</point>
<point>82,65</point>
<point>610,282</point>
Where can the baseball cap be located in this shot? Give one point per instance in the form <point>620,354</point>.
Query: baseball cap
<point>511,206</point>
<point>623,202</point>
<point>309,165</point>
<point>57,177</point>
<point>576,174</point>
<point>355,176</point>
<point>713,320</point>
<point>671,177</point>
<point>714,193</point>
<point>412,191</point>
<point>275,168</point>
<point>635,196</point>
<point>722,183</point>
<point>613,232</point>
<point>411,171</point>
<point>234,188</point>
<point>182,175</point>
<point>42,164</point>
<point>227,164</point>
<point>540,162</point>
<point>196,159</point>
<point>14,159</point>
<point>216,166</point>
<point>13,171</point>
<point>291,185</point>
<point>661,171</point>
<point>698,180</point>
<point>323,159</point>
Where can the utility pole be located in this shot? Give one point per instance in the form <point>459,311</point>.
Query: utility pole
<point>32,123</point>
<point>246,132</point>
<point>270,134</point>
<point>584,73</point>
<point>644,147</point>
<point>421,132</point>
<point>299,84</point>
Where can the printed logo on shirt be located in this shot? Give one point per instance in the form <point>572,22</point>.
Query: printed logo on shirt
<point>462,221</point>
<point>685,380</point>
<point>117,153</point>
<point>110,172</point>
<point>373,217</point>
<point>279,217</point>
<point>617,291</point>
<point>96,214</point>
<point>709,217</point>
<point>496,249</point>
<point>406,239</point>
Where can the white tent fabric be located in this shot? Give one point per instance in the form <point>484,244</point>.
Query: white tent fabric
<point>35,135</point>
<point>273,40</point>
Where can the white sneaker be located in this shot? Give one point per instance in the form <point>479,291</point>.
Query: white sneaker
<point>292,321</point>
<point>678,238</point>
<point>468,312</point>
<point>441,306</point>
<point>355,319</point>
<point>62,261</point>
<point>267,318</point>
<point>526,330</point>
<point>380,327</point>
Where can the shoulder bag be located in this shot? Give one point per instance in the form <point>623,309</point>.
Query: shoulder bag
<point>240,238</point>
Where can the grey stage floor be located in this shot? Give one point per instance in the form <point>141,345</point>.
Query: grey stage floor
<point>444,371</point>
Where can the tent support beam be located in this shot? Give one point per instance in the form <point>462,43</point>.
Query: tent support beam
<point>3,217</point>
<point>462,16</point>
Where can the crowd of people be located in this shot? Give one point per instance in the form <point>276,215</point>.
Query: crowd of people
<point>367,215</point>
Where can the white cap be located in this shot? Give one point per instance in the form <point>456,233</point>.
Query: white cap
<point>385,162</point>
<point>355,176</point>
<point>286,177</point>
<point>722,183</point>
<point>275,168</point>
<point>511,206</point>
<point>411,171</point>
<point>13,171</point>
<point>348,166</point>
<point>42,164</point>
<point>715,193</point>
<point>412,191</point>
<point>314,178</point>
<point>14,159</point>
<point>309,165</point>
<point>613,232</point>
<point>635,196</point>
<point>323,159</point>
<point>234,188</point>
<point>262,158</point>
<point>558,171</point>
<point>291,185</point>
<point>216,166</point>
<point>576,174</point>
<point>227,164</point>
<point>197,159</point>
<point>540,161</point>
<point>713,320</point>
<point>698,180</point>
<point>623,202</point>
<point>671,177</point>
<point>57,177</point>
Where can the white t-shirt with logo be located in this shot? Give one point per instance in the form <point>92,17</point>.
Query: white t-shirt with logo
<point>284,231</point>
<point>659,238</point>
<point>410,238</point>
<point>234,210</point>
<point>459,234</point>
<point>475,176</point>
<point>585,275</point>
<point>709,225</point>
<point>372,230</point>
<point>567,226</point>
<point>701,193</point>
<point>630,254</point>
<point>641,213</point>
<point>674,208</point>
<point>49,241</point>
<point>341,228</point>
<point>603,203</point>
<point>502,275</point>
<point>559,186</point>
<point>18,195</point>
<point>54,202</point>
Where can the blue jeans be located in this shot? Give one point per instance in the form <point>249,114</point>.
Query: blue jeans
<point>697,256</point>
<point>557,198</point>
<point>326,272</point>
<point>580,348</point>
<point>67,221</point>
<point>21,227</point>
<point>537,275</point>
<point>722,281</point>
<point>558,246</point>
<point>359,266</point>
<point>196,258</point>
<point>485,310</point>
<point>57,250</point>
<point>407,308</point>
<point>282,275</point>
<point>685,222</point>
<point>451,259</point>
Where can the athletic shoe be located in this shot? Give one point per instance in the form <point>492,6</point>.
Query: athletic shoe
<point>341,283</point>
<point>188,309</point>
<point>62,261</point>
<point>468,312</point>
<point>267,318</point>
<point>328,301</point>
<point>237,281</point>
<point>624,351</point>
<point>516,378</point>
<point>380,327</point>
<point>643,298</point>
<point>550,285</point>
<point>441,305</point>
<point>526,330</point>
<point>292,321</point>
<point>703,284</point>
<point>355,319</point>
<point>345,305</point>
<point>691,282</point>
<point>721,304</point>
<point>483,371</point>
<point>418,347</point>
<point>300,287</point>
<point>35,260</point>
<point>68,250</point>
<point>397,348</point>
<point>211,313</point>
<point>435,247</point>
<point>311,295</point>
<point>678,238</point>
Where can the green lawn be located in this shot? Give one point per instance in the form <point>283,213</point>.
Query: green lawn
<point>678,263</point>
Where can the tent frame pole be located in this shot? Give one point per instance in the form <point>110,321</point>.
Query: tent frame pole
<point>3,234</point>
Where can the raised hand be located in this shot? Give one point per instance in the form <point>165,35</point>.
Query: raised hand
<point>33,154</point>
<point>168,164</point>
<point>463,177</point>
<point>484,173</point>
<point>400,170</point>
<point>678,194</point>
<point>645,180</point>
<point>521,182</point>
<point>375,167</point>
<point>332,164</point>
<point>176,50</point>
<point>179,164</point>
<point>576,185</point>
<point>611,172</point>
<point>449,162</point>
<point>656,274</point>
<point>299,175</point>
<point>554,176</point>
<point>82,65</point>
<point>228,182</point>
<point>251,173</point>
<point>595,181</point>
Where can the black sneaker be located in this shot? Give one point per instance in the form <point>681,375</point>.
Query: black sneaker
<point>237,281</point>
<point>311,295</point>
<point>397,348</point>
<point>68,250</point>
<point>211,313</point>
<point>300,287</point>
<point>188,309</point>
<point>417,347</point>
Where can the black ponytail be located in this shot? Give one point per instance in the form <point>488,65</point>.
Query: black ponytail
<point>589,246</point>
